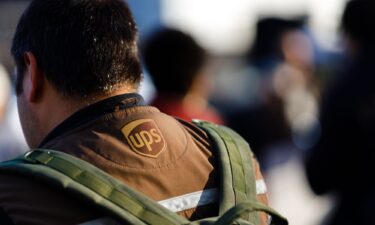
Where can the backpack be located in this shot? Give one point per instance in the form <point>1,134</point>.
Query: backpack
<point>237,192</point>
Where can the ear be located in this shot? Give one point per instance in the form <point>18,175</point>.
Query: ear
<point>33,82</point>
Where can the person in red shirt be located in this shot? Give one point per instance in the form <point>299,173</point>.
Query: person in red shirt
<point>176,64</point>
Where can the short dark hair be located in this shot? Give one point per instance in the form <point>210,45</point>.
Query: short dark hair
<point>358,21</point>
<point>84,47</point>
<point>268,37</point>
<point>173,60</point>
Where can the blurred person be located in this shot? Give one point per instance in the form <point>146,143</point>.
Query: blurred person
<point>282,57</point>
<point>294,82</point>
<point>176,64</point>
<point>77,79</point>
<point>11,141</point>
<point>285,109</point>
<point>343,160</point>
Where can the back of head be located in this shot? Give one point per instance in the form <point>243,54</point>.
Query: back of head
<point>358,21</point>
<point>173,59</point>
<point>269,32</point>
<point>84,47</point>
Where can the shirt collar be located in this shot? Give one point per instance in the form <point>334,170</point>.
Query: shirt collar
<point>94,111</point>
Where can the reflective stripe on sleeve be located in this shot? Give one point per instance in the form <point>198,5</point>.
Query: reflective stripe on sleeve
<point>191,200</point>
<point>261,187</point>
<point>200,198</point>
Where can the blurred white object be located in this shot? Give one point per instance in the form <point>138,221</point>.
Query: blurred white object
<point>12,142</point>
<point>290,194</point>
<point>4,88</point>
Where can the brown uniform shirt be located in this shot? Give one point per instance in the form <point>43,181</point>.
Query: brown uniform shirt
<point>149,151</point>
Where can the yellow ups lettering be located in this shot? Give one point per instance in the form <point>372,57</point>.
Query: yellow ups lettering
<point>137,143</point>
<point>145,138</point>
<point>155,135</point>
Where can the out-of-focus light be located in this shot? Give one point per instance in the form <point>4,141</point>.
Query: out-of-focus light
<point>220,25</point>
<point>325,18</point>
<point>283,8</point>
<point>228,26</point>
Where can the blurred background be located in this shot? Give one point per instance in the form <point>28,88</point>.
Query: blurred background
<point>268,63</point>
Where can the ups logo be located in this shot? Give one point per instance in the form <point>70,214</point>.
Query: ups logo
<point>144,137</point>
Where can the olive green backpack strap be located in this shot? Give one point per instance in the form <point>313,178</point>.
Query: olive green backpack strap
<point>238,196</point>
<point>91,184</point>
